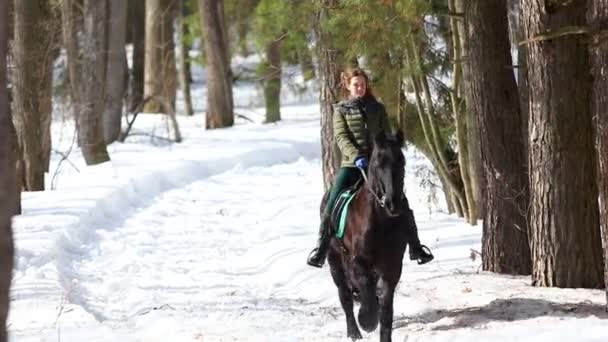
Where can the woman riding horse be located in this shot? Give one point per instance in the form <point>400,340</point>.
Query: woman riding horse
<point>356,119</point>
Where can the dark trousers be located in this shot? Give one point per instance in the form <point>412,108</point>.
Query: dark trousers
<point>346,177</point>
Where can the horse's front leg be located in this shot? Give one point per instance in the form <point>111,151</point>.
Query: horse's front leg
<point>386,309</point>
<point>345,294</point>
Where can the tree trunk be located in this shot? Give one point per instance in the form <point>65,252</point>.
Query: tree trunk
<point>219,75</point>
<point>7,178</point>
<point>494,98</point>
<point>137,21</point>
<point>183,57</point>
<point>329,61</point>
<point>306,64</point>
<point>459,109</point>
<point>87,75</point>
<point>517,35</point>
<point>160,74</point>
<point>115,75</point>
<point>272,81</point>
<point>565,234</point>
<point>32,88</point>
<point>598,21</point>
<point>474,166</point>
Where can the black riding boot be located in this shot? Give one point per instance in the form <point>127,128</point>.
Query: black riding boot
<point>418,251</point>
<point>318,255</point>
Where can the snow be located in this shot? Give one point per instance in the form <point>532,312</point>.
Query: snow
<point>206,240</point>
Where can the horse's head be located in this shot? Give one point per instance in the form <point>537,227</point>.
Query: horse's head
<point>386,171</point>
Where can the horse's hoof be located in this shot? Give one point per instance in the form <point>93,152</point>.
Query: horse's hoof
<point>354,335</point>
<point>422,255</point>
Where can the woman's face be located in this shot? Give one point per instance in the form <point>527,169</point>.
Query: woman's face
<point>357,86</point>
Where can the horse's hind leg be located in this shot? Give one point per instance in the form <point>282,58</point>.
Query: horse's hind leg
<point>346,296</point>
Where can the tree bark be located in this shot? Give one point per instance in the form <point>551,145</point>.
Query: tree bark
<point>495,100</point>
<point>598,21</point>
<point>329,61</point>
<point>219,75</point>
<point>183,57</point>
<point>32,88</point>
<point>137,23</point>
<point>87,70</point>
<point>160,74</point>
<point>517,35</point>
<point>115,75</point>
<point>272,81</point>
<point>7,178</point>
<point>565,234</point>
<point>459,109</point>
<point>475,168</point>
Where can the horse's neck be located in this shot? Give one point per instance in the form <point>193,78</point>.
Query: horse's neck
<point>374,211</point>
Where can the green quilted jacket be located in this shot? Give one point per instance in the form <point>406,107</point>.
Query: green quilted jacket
<point>356,122</point>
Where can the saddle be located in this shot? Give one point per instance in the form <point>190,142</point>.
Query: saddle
<point>339,212</point>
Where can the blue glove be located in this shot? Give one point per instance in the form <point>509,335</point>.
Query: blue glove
<point>361,163</point>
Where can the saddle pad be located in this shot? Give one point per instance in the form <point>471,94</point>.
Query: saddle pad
<point>340,210</point>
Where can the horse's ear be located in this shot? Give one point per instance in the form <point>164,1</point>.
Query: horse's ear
<point>400,137</point>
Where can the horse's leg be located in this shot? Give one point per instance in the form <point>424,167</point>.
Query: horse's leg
<point>366,284</point>
<point>386,308</point>
<point>345,294</point>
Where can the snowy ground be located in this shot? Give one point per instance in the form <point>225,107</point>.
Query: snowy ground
<point>207,240</point>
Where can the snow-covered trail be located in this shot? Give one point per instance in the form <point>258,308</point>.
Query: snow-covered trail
<point>227,252</point>
<point>207,242</point>
<point>216,245</point>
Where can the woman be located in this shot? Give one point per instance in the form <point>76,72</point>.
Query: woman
<point>356,119</point>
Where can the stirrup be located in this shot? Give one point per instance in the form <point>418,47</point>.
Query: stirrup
<point>423,257</point>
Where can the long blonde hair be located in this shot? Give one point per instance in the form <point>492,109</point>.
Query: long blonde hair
<point>350,72</point>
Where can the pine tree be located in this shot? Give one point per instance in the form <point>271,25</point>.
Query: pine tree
<point>564,225</point>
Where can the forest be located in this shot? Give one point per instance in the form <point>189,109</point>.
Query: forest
<point>505,98</point>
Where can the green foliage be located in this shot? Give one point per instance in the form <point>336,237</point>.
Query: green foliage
<point>287,20</point>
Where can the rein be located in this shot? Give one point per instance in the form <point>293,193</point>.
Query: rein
<point>381,200</point>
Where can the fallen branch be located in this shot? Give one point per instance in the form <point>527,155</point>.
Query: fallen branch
<point>167,107</point>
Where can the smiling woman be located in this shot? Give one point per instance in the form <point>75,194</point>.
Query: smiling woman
<point>6,178</point>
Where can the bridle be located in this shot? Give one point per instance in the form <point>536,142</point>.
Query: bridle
<point>381,200</point>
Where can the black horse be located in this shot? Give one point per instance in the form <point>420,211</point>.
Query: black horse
<point>366,264</point>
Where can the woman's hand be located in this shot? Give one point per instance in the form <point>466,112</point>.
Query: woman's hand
<point>361,162</point>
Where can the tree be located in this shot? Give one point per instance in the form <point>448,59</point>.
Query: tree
<point>116,70</point>
<point>32,88</point>
<point>270,29</point>
<point>137,36</point>
<point>160,74</point>
<point>219,75</point>
<point>564,226</point>
<point>7,178</point>
<point>272,81</point>
<point>183,57</point>
<point>330,60</point>
<point>598,21</point>
<point>496,102</point>
<point>87,71</point>
<point>473,167</point>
